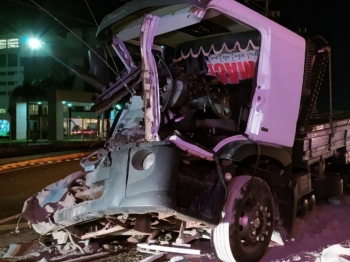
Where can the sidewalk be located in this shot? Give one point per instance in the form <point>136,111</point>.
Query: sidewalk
<point>26,155</point>
<point>15,162</point>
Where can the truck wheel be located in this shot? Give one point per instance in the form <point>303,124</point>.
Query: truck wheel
<point>246,226</point>
<point>346,182</point>
<point>304,205</point>
<point>312,202</point>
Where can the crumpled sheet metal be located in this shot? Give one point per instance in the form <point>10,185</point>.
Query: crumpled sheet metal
<point>90,161</point>
<point>38,209</point>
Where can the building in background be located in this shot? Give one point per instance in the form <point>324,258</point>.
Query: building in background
<point>67,99</point>
<point>11,75</point>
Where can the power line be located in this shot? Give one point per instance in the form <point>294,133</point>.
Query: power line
<point>52,12</point>
<point>256,5</point>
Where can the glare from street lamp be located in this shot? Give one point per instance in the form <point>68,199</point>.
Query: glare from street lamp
<point>34,43</point>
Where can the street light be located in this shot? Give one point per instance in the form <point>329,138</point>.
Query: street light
<point>34,43</point>
<point>118,107</point>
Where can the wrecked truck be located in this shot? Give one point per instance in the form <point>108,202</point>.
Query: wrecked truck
<point>216,137</point>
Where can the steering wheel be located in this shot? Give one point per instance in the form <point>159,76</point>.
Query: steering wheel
<point>219,99</point>
<point>165,79</point>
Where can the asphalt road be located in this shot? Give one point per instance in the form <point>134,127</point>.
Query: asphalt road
<point>17,185</point>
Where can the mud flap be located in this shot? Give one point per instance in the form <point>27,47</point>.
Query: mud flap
<point>287,208</point>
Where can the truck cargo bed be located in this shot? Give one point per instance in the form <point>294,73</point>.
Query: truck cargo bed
<point>322,139</point>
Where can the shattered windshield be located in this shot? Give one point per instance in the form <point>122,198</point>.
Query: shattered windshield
<point>204,69</point>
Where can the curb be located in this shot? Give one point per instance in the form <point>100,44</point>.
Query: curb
<point>17,164</point>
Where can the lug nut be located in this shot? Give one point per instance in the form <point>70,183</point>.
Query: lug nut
<point>265,208</point>
<point>254,232</point>
<point>268,224</point>
<point>262,238</point>
<point>268,214</point>
<point>261,208</point>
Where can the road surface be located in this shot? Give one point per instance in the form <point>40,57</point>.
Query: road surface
<point>326,225</point>
<point>17,185</point>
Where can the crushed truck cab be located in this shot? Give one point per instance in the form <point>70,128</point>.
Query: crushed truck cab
<point>214,97</point>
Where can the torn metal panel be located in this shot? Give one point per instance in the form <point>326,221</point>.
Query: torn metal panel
<point>150,79</point>
<point>38,209</point>
<point>123,53</point>
<point>116,91</point>
<point>90,162</point>
<point>61,237</point>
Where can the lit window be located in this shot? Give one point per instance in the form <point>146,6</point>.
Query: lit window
<point>87,108</point>
<point>12,43</point>
<point>3,44</point>
<point>33,109</point>
<point>3,111</point>
<point>65,109</point>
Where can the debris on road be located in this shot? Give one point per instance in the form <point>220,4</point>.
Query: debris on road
<point>156,248</point>
<point>276,238</point>
<point>178,259</point>
<point>13,250</point>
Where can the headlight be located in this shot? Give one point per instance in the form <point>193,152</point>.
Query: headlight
<point>143,159</point>
<point>148,161</point>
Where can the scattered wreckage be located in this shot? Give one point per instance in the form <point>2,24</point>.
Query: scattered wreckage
<point>213,94</point>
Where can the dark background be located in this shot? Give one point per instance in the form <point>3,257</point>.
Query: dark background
<point>325,18</point>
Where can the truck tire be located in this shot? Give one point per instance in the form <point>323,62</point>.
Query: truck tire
<point>246,226</point>
<point>312,202</point>
<point>303,208</point>
<point>346,182</point>
<point>327,187</point>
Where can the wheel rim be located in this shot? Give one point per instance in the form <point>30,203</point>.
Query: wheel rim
<point>254,223</point>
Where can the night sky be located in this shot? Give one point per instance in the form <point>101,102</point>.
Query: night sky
<point>326,18</point>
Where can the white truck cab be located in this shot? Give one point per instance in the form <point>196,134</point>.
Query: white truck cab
<point>215,134</point>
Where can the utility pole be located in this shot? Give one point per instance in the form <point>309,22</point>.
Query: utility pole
<point>267,6</point>
<point>267,10</point>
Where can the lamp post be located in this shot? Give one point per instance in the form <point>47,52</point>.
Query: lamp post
<point>69,120</point>
<point>40,120</point>
<point>34,44</point>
